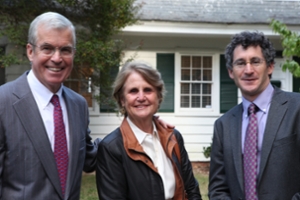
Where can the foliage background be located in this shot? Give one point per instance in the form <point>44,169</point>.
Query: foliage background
<point>291,46</point>
<point>96,22</point>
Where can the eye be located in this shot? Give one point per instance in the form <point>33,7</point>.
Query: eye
<point>148,90</point>
<point>66,50</point>
<point>240,63</point>
<point>47,48</point>
<point>256,61</point>
<point>133,90</point>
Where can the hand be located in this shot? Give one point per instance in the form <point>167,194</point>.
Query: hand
<point>163,123</point>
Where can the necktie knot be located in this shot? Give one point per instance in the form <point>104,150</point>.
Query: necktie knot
<point>55,101</point>
<point>252,109</point>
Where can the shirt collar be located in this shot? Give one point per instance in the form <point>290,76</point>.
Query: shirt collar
<point>139,134</point>
<point>42,94</point>
<point>262,101</point>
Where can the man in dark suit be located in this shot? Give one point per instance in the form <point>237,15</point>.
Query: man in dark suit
<point>271,169</point>
<point>30,151</point>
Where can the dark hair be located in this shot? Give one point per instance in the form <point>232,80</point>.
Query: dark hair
<point>149,74</point>
<point>247,39</point>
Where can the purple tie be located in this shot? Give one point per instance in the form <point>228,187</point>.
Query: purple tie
<point>60,143</point>
<point>250,155</point>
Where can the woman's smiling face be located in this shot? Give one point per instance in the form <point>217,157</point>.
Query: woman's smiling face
<point>139,98</point>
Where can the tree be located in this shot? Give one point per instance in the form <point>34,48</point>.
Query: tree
<point>96,21</point>
<point>291,45</point>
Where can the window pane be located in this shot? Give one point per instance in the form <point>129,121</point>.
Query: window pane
<point>196,71</point>
<point>185,88</point>
<point>207,62</point>
<point>206,102</point>
<point>185,74</point>
<point>207,75</point>
<point>196,88</point>
<point>80,82</point>
<point>196,62</point>
<point>195,102</point>
<point>185,61</point>
<point>196,74</point>
<point>185,101</point>
<point>206,88</point>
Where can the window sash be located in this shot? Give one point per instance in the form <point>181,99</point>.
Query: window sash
<point>196,81</point>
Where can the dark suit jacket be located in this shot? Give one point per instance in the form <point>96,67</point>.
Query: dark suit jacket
<point>279,170</point>
<point>27,165</point>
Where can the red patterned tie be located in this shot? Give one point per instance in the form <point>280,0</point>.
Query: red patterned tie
<point>250,155</point>
<point>60,143</point>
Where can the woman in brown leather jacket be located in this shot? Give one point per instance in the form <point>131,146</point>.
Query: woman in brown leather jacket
<point>141,159</point>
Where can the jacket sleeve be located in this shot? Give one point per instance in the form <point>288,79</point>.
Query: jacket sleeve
<point>90,146</point>
<point>2,155</point>
<point>218,188</point>
<point>110,176</point>
<point>190,183</point>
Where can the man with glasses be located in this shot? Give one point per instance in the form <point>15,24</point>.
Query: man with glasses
<point>256,145</point>
<point>45,141</point>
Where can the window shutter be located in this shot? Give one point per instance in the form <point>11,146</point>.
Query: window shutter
<point>228,89</point>
<point>109,104</point>
<point>165,65</point>
<point>296,81</point>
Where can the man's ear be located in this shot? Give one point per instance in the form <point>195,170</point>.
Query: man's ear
<point>271,68</point>
<point>29,51</point>
<point>230,73</point>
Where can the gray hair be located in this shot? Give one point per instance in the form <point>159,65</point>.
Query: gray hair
<point>51,20</point>
<point>150,75</point>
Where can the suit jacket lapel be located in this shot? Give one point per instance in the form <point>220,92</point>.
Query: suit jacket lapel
<point>30,117</point>
<point>236,125</point>
<point>278,108</point>
<point>74,138</point>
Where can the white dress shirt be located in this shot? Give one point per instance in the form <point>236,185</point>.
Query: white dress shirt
<point>42,96</point>
<point>152,146</point>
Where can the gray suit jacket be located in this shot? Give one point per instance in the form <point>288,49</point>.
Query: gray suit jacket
<point>27,165</point>
<point>279,170</point>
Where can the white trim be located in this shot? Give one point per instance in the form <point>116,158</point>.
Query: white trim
<point>215,107</point>
<point>95,110</point>
<point>196,29</point>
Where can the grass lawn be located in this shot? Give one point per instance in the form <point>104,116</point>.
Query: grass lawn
<point>89,191</point>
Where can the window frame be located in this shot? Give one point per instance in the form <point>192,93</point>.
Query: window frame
<point>215,88</point>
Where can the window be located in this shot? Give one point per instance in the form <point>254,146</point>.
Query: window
<point>80,81</point>
<point>196,81</point>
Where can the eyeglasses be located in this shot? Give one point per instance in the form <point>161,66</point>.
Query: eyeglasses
<point>254,62</point>
<point>49,50</point>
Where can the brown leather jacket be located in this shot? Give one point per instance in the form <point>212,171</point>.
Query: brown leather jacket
<point>124,171</point>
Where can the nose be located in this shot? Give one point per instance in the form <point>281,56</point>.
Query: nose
<point>248,68</point>
<point>56,57</point>
<point>140,96</point>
